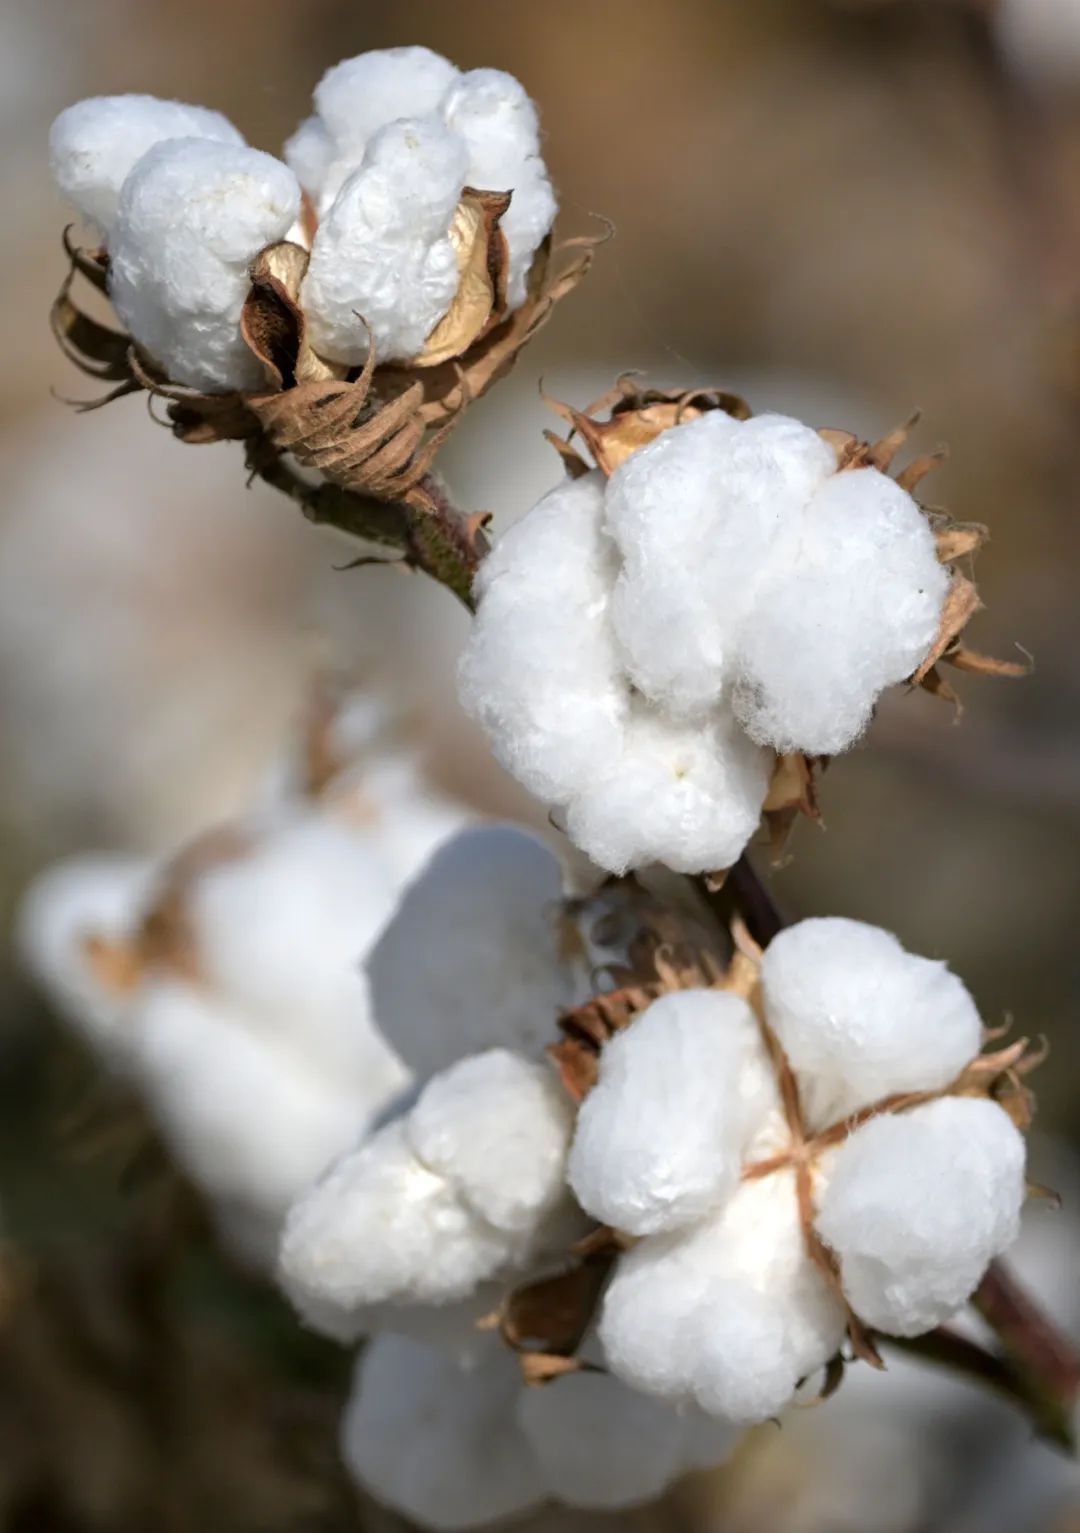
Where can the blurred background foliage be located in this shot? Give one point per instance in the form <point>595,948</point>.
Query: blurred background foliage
<point>843,209</point>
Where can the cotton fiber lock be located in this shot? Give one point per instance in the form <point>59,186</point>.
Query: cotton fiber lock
<point>397,138</point>
<point>646,644</point>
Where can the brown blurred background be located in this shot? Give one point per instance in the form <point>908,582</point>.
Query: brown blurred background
<point>843,209</point>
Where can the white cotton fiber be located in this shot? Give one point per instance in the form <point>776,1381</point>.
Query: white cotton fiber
<point>381,1228</point>
<point>697,516</point>
<point>917,1206</point>
<point>308,153</point>
<point>539,670</point>
<point>600,1444</point>
<point>283,932</point>
<point>497,1127</point>
<point>687,795</point>
<point>659,1137</point>
<point>95,143</point>
<point>68,905</point>
<point>730,1314</point>
<point>361,95</point>
<point>855,611</point>
<point>860,1019</point>
<point>470,959</point>
<point>192,216</point>
<point>436,1442</point>
<point>382,252</point>
<point>499,124</point>
<point>248,1120</point>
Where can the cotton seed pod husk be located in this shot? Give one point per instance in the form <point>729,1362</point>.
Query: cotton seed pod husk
<point>375,430</point>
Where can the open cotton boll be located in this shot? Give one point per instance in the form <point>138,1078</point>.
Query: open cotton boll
<point>499,123</point>
<point>697,514</point>
<point>179,284</point>
<point>539,670</point>
<point>382,254</point>
<point>687,795</point>
<point>860,1019</point>
<point>250,1122</point>
<point>659,1137</point>
<point>437,1442</point>
<point>94,144</point>
<point>917,1206</point>
<point>382,1228</point>
<point>90,896</point>
<point>283,931</point>
<point>497,1127</point>
<point>470,959</point>
<point>600,1444</point>
<point>855,611</point>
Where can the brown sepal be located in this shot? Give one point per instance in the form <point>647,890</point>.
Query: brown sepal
<point>549,1318</point>
<point>635,418</point>
<point>961,603</point>
<point>792,792</point>
<point>480,301</point>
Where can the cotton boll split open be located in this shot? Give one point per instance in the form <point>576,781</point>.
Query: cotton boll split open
<point>179,282</point>
<point>95,143</point>
<point>464,1185</point>
<point>645,645</point>
<point>692,1141</point>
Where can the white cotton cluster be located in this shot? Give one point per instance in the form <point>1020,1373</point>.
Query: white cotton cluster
<point>464,1185</point>
<point>192,216</point>
<point>396,137</point>
<point>643,644</point>
<point>94,144</point>
<point>184,207</point>
<point>720,1304</point>
<point>246,1024</point>
<point>460,1444</point>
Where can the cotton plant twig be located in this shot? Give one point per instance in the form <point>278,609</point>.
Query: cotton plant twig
<point>1037,1367</point>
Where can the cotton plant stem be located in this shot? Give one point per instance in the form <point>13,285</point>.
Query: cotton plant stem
<point>1038,1367</point>
<point>427,534</point>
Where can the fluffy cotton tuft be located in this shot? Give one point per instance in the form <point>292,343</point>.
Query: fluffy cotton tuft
<point>659,1138</point>
<point>917,1207</point>
<point>501,129</point>
<point>861,1019</point>
<point>643,644</point>
<point>94,144</point>
<point>467,1181</point>
<point>382,254</point>
<point>437,1442</point>
<point>81,900</point>
<point>470,958</point>
<point>192,216</point>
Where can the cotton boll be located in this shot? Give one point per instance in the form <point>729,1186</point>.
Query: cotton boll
<point>77,900</point>
<point>855,610</point>
<point>95,143</point>
<point>381,1228</point>
<point>860,1019</point>
<point>248,1121</point>
<point>179,284</point>
<point>470,959</point>
<point>697,515</point>
<point>493,113</point>
<point>599,1444</point>
<point>436,1442</point>
<point>308,153</point>
<point>658,1138</point>
<point>539,670</point>
<point>686,795</point>
<point>283,932</point>
<point>383,250</point>
<point>497,1127</point>
<point>918,1205</point>
<point>358,96</point>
